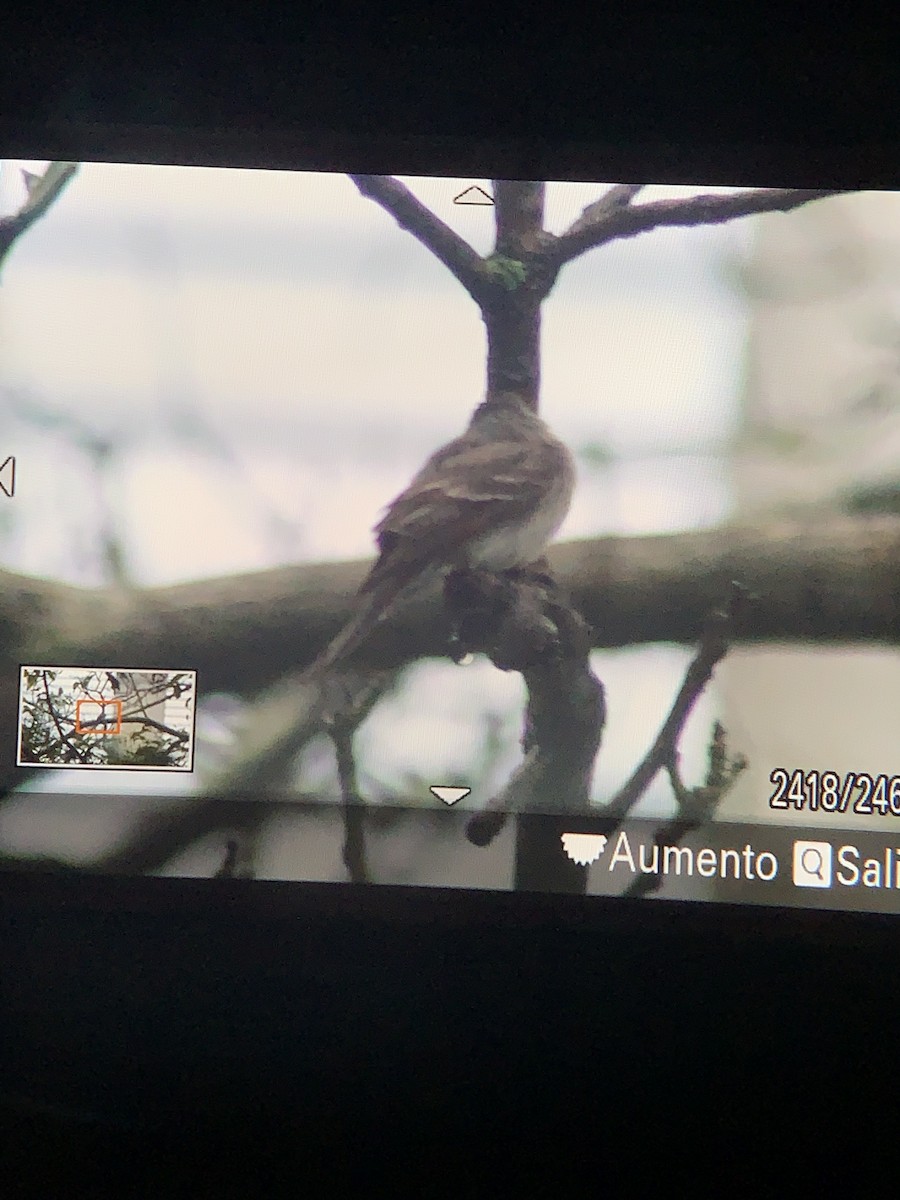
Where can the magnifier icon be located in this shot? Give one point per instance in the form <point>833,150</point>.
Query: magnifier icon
<point>811,862</point>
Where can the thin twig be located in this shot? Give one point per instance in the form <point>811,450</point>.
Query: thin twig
<point>79,755</point>
<point>178,735</point>
<point>43,191</point>
<point>620,195</point>
<point>353,698</point>
<point>629,220</point>
<point>444,243</point>
<point>695,805</point>
<point>352,812</point>
<point>712,649</point>
<point>229,864</point>
<point>239,852</point>
<point>283,722</point>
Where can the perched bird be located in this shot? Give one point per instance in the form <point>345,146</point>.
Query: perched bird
<point>490,500</point>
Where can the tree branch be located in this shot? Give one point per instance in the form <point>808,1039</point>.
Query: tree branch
<point>695,805</point>
<point>519,216</point>
<point>598,225</point>
<point>179,735</point>
<point>43,191</point>
<point>354,851</point>
<point>80,756</point>
<point>620,195</point>
<point>835,581</point>
<point>826,581</point>
<point>444,243</point>
<point>276,729</point>
<point>522,624</point>
<point>483,827</point>
<point>664,751</point>
<point>361,695</point>
<point>279,724</point>
<point>159,836</point>
<point>520,279</point>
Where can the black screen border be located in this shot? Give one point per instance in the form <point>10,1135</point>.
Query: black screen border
<point>871,166</point>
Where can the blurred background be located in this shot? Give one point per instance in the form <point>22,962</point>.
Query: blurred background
<point>209,371</point>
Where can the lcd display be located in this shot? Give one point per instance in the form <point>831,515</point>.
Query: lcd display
<point>633,633</point>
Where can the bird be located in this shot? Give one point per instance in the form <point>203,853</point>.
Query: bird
<point>490,500</point>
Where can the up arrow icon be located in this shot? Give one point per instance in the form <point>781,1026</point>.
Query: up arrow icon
<point>8,477</point>
<point>474,195</point>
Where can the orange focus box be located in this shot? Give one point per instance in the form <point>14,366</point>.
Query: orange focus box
<point>100,710</point>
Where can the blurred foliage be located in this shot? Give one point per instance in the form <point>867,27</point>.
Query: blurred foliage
<point>597,456</point>
<point>875,500</point>
<point>775,439</point>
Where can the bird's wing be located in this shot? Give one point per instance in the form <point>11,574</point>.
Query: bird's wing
<point>468,488</point>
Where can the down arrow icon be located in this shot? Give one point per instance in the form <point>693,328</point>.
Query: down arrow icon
<point>449,795</point>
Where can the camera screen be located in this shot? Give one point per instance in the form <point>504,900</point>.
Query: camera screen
<point>450,532</point>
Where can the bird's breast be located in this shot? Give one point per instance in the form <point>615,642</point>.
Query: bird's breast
<point>522,543</point>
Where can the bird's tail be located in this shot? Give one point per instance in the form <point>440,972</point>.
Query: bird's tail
<point>375,604</point>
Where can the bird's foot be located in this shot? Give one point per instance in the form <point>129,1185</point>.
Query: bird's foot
<point>475,603</point>
<point>536,574</point>
<point>508,616</point>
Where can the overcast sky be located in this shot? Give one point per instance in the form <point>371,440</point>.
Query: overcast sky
<point>328,353</point>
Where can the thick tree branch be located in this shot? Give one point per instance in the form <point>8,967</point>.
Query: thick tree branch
<point>519,216</point>
<point>444,243</point>
<point>599,225</point>
<point>274,732</point>
<point>663,754</point>
<point>521,622</point>
<point>43,191</point>
<point>512,313</point>
<point>180,735</point>
<point>837,582</point>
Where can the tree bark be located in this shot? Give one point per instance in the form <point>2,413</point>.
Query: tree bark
<point>512,313</point>
<point>837,582</point>
<point>834,582</point>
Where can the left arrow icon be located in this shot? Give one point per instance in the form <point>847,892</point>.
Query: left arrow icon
<point>8,477</point>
